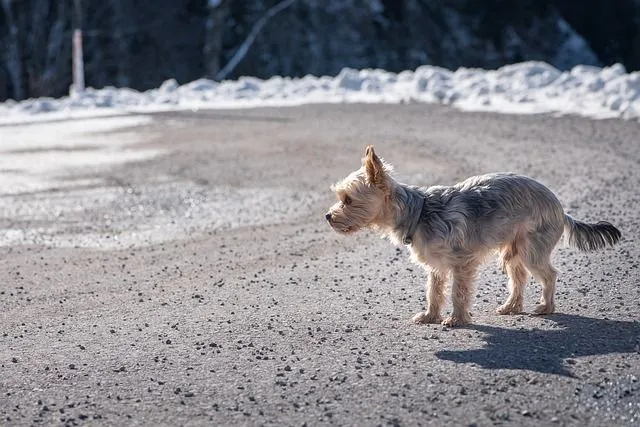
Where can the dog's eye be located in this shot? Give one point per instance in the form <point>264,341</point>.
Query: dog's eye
<point>347,200</point>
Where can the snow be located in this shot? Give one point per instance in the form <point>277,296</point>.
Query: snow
<point>523,88</point>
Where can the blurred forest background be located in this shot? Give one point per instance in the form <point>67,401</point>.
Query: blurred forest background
<point>141,43</point>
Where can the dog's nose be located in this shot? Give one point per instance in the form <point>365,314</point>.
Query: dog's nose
<point>328,216</point>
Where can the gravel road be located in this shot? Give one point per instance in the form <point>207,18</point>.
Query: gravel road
<point>199,284</point>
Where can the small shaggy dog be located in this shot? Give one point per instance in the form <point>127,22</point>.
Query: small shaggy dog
<point>452,230</point>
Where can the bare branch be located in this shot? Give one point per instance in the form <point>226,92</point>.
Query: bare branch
<point>244,48</point>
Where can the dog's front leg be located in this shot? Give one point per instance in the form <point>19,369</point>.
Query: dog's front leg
<point>435,298</point>
<point>461,295</point>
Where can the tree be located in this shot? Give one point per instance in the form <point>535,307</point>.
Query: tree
<point>122,22</point>
<point>13,54</point>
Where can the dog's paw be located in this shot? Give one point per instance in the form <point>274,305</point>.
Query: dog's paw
<point>423,318</point>
<point>456,321</point>
<point>544,309</point>
<point>510,309</point>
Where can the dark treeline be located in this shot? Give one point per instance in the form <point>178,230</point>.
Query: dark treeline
<point>141,43</point>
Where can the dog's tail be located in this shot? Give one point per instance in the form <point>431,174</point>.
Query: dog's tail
<point>589,237</point>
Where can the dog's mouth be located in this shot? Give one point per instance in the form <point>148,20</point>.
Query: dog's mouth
<point>340,227</point>
<point>348,229</point>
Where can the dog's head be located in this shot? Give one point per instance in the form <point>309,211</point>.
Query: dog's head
<point>362,195</point>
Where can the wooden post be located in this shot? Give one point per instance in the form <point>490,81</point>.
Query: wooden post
<point>78,60</point>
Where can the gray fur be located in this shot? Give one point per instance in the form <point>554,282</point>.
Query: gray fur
<point>482,211</point>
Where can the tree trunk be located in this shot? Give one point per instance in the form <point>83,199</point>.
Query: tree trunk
<point>54,75</point>
<point>122,25</point>
<point>45,53</point>
<point>212,50</point>
<point>14,57</point>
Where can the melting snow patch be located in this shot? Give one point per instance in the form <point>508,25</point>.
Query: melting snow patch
<point>42,156</point>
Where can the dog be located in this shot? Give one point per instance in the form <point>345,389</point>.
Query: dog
<point>451,230</point>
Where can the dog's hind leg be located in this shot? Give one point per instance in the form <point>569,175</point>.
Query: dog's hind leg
<point>517,279</point>
<point>436,287</point>
<point>537,259</point>
<point>546,275</point>
<point>511,259</point>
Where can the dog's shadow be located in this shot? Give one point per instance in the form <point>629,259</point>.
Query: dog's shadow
<point>549,351</point>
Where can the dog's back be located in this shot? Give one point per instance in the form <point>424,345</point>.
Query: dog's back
<point>487,210</point>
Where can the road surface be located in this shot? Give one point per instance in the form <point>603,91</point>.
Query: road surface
<point>195,281</point>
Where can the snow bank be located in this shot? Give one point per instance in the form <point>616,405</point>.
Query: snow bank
<point>523,88</point>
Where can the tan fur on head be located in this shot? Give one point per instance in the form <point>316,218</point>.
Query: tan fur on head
<point>451,229</point>
<point>362,196</point>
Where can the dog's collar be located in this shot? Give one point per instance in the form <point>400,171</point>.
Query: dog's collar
<point>407,239</point>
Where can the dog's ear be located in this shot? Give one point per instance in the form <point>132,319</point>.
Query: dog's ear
<point>373,168</point>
